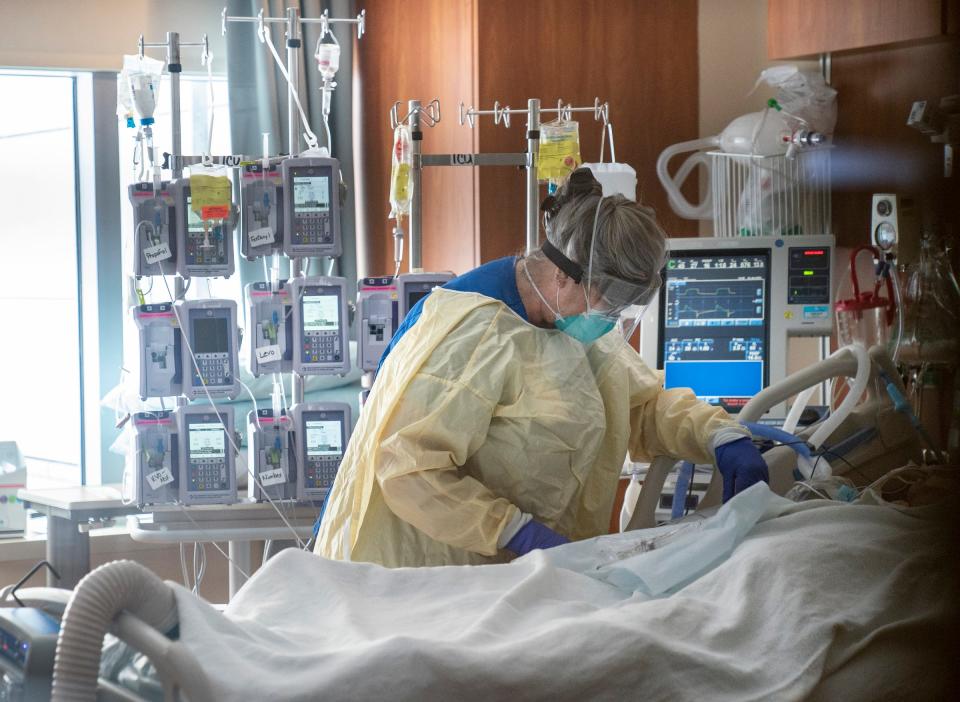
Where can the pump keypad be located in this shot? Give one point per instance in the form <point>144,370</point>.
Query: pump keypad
<point>322,347</point>
<point>321,472</point>
<point>215,369</point>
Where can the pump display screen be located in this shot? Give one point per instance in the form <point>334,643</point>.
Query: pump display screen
<point>321,313</point>
<point>311,194</point>
<point>206,441</point>
<point>194,223</point>
<point>714,324</point>
<point>324,438</point>
<point>416,291</point>
<point>210,335</point>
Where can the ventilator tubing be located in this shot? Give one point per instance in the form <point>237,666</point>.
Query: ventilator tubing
<point>678,202</point>
<point>852,360</point>
<point>100,596</point>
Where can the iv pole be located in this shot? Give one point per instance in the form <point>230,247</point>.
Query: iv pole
<point>292,20</point>
<point>430,115</point>
<point>174,68</point>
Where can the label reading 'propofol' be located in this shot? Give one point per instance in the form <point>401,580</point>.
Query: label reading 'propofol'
<point>155,254</point>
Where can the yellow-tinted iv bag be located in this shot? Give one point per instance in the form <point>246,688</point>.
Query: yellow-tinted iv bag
<point>211,195</point>
<point>401,188</point>
<point>559,149</point>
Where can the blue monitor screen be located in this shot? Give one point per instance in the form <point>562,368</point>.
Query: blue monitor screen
<point>714,324</point>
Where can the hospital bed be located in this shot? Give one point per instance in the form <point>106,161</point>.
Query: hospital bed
<point>764,599</point>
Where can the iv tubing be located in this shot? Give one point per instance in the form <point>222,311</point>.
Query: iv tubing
<point>898,298</point>
<point>785,438</point>
<point>309,135</point>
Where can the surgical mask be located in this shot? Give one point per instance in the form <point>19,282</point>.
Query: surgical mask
<point>585,328</point>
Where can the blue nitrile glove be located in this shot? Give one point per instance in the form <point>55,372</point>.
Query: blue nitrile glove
<point>741,465</point>
<point>535,535</point>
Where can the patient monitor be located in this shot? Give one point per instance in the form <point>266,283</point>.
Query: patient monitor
<point>206,455</point>
<point>322,432</point>
<point>721,321</point>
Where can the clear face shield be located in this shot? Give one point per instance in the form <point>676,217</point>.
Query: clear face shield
<point>620,303</point>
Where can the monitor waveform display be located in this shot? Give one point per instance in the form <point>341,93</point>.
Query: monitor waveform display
<point>725,302</point>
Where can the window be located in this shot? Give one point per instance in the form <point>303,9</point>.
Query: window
<point>40,374</point>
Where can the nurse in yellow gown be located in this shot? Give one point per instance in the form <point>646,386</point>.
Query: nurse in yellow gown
<point>500,422</point>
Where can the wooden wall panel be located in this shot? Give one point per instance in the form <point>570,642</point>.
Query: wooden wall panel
<point>641,57</point>
<point>807,27</point>
<point>417,49</point>
<point>875,150</point>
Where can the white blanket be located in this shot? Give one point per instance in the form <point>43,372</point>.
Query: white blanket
<point>817,600</point>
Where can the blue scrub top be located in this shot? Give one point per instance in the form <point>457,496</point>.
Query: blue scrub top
<point>496,279</point>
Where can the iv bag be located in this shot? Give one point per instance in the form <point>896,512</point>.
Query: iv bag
<point>141,81</point>
<point>559,149</point>
<point>328,59</point>
<point>401,189</point>
<point>211,192</point>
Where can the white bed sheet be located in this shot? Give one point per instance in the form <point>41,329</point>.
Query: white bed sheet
<point>818,599</point>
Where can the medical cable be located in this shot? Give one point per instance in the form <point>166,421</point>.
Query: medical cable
<point>207,59</point>
<point>901,405</point>
<point>896,473</point>
<point>230,431</point>
<point>199,573</point>
<point>823,451</point>
<point>183,567</point>
<point>264,34</point>
<point>326,127</point>
<point>223,553</point>
<point>898,300</point>
<point>765,431</point>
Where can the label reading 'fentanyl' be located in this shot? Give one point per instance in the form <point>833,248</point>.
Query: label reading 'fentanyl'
<point>261,237</point>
